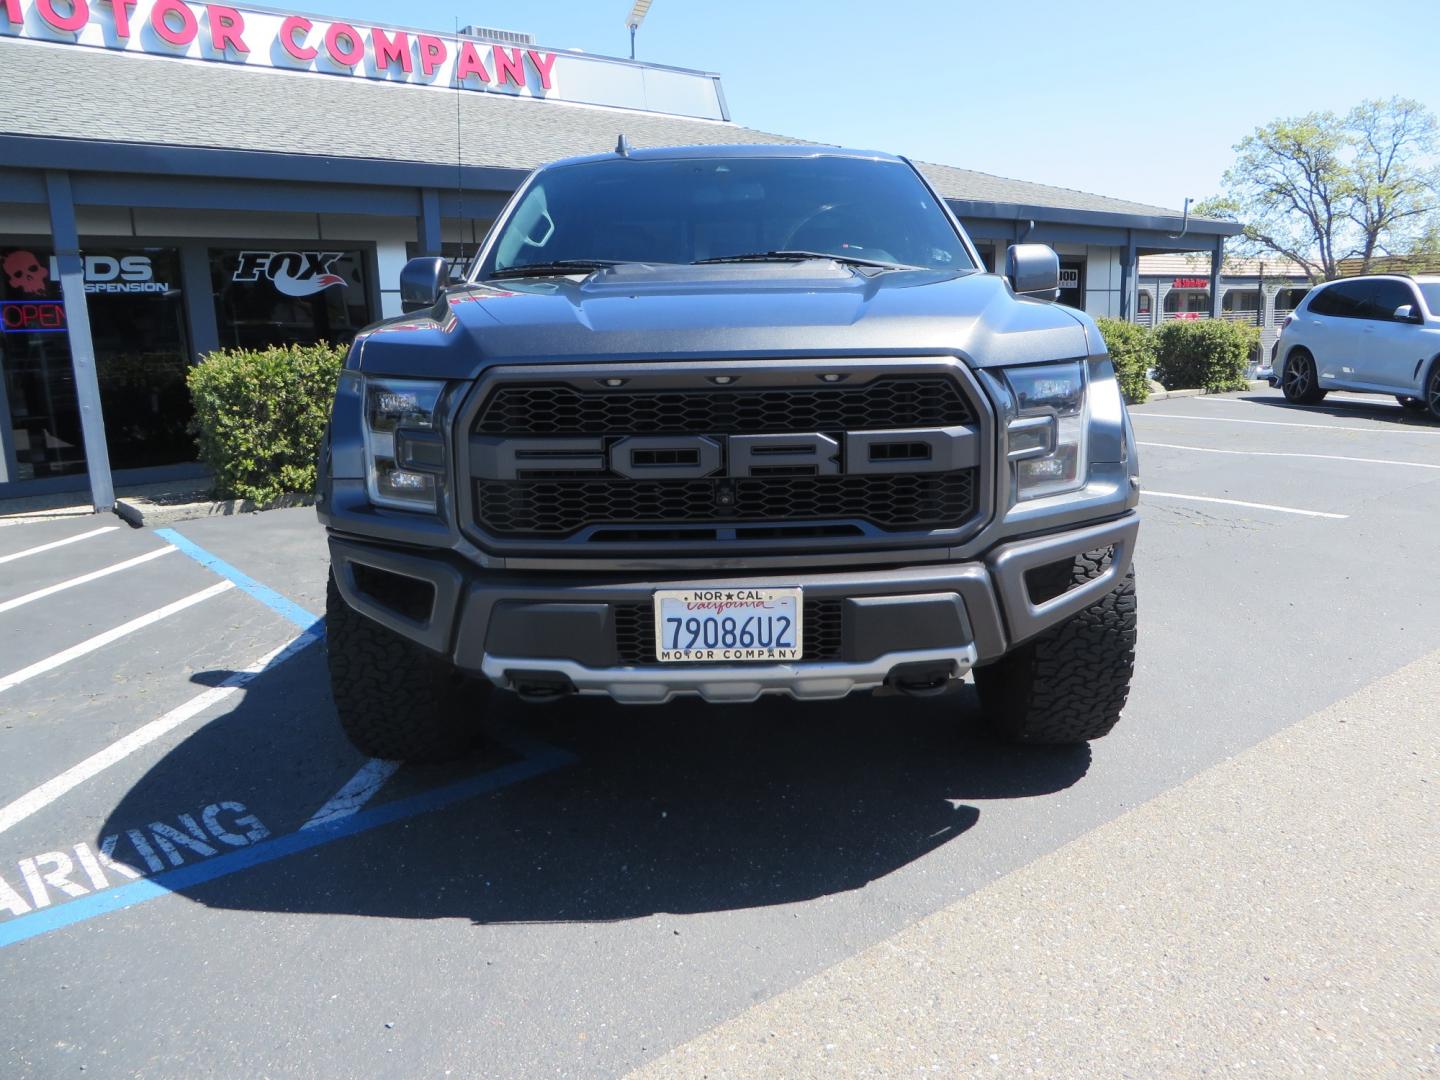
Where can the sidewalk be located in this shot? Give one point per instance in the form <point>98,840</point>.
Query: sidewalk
<point>1277,915</point>
<point>77,503</point>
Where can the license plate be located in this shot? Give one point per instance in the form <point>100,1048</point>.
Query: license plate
<point>728,625</point>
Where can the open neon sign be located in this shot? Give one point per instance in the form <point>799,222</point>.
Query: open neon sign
<point>32,316</point>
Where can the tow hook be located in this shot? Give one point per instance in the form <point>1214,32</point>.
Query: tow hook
<point>924,679</point>
<point>539,687</point>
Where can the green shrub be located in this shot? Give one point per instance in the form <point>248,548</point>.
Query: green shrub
<point>1132,351</point>
<point>260,414</point>
<point>1255,352</point>
<point>1207,354</point>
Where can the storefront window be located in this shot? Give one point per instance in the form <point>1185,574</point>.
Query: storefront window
<point>1072,294</point>
<point>44,416</point>
<point>137,321</point>
<point>457,255</point>
<point>1188,302</point>
<point>138,328</point>
<point>288,296</point>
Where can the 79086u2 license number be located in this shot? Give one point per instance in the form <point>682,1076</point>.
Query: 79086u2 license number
<point>728,625</point>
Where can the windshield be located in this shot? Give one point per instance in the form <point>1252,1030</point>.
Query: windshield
<point>687,211</point>
<point>1431,291</point>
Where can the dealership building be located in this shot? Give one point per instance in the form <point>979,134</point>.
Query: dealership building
<point>177,177</point>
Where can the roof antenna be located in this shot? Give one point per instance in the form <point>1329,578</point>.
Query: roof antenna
<point>622,146</point>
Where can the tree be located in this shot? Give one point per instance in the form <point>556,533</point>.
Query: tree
<point>1320,188</point>
<point>1428,243</point>
<point>1392,185</point>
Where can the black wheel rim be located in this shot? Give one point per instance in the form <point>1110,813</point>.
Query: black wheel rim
<point>1435,392</point>
<point>1297,378</point>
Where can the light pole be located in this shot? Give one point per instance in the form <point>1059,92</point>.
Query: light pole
<point>634,19</point>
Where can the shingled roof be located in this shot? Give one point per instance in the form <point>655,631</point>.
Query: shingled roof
<point>199,104</point>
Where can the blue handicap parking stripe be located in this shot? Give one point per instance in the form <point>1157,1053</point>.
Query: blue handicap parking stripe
<point>137,892</point>
<point>537,759</point>
<point>266,595</point>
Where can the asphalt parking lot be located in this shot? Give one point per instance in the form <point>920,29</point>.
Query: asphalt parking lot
<point>198,876</point>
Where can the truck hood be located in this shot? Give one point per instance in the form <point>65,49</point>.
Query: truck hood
<point>641,312</point>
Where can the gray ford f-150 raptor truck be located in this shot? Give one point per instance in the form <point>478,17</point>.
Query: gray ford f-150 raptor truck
<point>728,421</point>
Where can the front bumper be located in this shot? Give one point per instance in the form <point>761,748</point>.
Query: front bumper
<point>556,632</point>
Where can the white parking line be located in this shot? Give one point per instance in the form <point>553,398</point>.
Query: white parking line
<point>1390,429</point>
<point>115,568</point>
<point>1286,453</point>
<point>1146,492</point>
<point>51,790</point>
<point>1352,397</point>
<point>359,790</point>
<point>58,543</point>
<point>101,640</point>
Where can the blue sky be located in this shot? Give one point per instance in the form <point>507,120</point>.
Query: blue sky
<point>1140,101</point>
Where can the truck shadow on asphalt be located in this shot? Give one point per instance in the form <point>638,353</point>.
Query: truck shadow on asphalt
<point>1340,405</point>
<point>680,808</point>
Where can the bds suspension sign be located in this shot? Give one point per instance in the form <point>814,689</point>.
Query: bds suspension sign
<point>273,39</point>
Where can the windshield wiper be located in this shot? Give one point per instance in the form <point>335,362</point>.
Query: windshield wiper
<point>785,255</point>
<point>556,268</point>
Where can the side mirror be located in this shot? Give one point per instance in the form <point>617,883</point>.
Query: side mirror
<point>1033,269</point>
<point>1405,313</point>
<point>422,281</point>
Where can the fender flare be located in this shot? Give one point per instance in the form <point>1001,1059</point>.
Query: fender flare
<point>1427,370</point>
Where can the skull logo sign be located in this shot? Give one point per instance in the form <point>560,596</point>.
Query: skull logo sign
<point>24,271</point>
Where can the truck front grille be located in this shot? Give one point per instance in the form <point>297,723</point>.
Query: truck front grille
<point>635,632</point>
<point>568,485</point>
<point>519,508</point>
<point>551,409</point>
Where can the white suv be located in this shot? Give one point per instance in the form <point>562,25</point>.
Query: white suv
<point>1376,335</point>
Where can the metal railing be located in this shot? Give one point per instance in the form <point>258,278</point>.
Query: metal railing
<point>1245,317</point>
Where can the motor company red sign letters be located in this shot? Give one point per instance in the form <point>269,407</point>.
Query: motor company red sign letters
<point>274,39</point>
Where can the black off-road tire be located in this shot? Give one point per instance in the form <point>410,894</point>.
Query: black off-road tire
<point>1068,685</point>
<point>395,699</point>
<point>1300,379</point>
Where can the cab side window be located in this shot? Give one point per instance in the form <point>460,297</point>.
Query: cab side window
<point>1345,299</point>
<point>1380,305</point>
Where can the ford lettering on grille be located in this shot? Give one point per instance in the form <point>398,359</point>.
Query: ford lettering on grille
<point>695,457</point>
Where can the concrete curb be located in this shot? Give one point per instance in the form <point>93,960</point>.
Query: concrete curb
<point>144,512</point>
<point>27,517</point>
<point>1163,395</point>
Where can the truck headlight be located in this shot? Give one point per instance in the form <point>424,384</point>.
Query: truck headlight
<point>1047,439</point>
<point>403,448</point>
